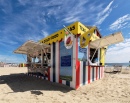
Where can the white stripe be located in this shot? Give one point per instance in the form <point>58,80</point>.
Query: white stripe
<point>95,73</point>
<point>86,75</point>
<point>57,62</point>
<point>71,84</point>
<point>81,73</point>
<point>74,65</point>
<point>90,74</point>
<point>64,82</point>
<point>51,69</point>
<point>98,73</point>
<point>99,56</point>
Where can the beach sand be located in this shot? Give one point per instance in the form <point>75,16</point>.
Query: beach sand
<point>17,87</point>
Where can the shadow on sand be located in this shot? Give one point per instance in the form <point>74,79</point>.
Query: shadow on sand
<point>22,82</point>
<point>113,72</point>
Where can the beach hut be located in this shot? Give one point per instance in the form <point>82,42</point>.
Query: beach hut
<point>73,56</point>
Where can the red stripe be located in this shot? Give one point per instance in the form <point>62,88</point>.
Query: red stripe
<point>102,71</point>
<point>77,74</point>
<point>60,81</point>
<point>88,74</point>
<point>77,66</point>
<point>49,74</point>
<point>96,73</point>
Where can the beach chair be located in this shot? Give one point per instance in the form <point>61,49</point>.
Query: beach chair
<point>117,68</point>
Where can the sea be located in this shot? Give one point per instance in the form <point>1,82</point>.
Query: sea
<point>117,64</point>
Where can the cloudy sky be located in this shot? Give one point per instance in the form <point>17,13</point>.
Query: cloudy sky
<point>22,20</point>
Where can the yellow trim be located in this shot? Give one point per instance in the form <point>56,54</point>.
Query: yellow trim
<point>75,28</point>
<point>81,28</point>
<point>87,36</point>
<point>94,37</point>
<point>102,56</point>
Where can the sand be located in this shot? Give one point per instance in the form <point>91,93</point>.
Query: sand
<point>17,87</point>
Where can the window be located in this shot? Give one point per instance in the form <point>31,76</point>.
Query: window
<point>94,56</point>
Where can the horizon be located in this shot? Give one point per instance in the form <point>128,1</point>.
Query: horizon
<point>23,20</point>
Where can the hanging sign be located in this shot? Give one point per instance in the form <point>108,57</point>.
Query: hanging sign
<point>85,38</point>
<point>68,41</point>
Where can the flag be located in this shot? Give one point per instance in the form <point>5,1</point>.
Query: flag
<point>66,32</point>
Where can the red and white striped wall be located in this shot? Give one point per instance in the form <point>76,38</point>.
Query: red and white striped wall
<point>81,74</point>
<point>89,74</point>
<point>55,65</point>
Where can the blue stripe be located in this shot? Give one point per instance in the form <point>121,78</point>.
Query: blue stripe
<point>84,72</point>
<point>93,74</point>
<point>99,72</point>
<point>54,48</point>
<point>68,83</point>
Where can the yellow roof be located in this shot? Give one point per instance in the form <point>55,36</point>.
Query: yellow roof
<point>75,28</point>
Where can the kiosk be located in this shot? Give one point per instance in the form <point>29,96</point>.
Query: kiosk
<point>73,56</point>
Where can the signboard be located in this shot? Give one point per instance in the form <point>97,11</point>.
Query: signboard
<point>68,42</point>
<point>82,52</point>
<point>66,62</point>
<point>85,38</point>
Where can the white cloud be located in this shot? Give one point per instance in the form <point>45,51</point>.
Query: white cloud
<point>119,53</point>
<point>115,6</point>
<point>71,19</point>
<point>74,13</point>
<point>6,7</point>
<point>120,23</point>
<point>44,33</point>
<point>24,2</point>
<point>40,16</point>
<point>104,14</point>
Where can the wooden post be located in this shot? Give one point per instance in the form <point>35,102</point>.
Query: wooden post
<point>42,59</point>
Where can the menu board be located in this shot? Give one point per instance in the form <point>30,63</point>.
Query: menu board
<point>82,52</point>
<point>66,61</point>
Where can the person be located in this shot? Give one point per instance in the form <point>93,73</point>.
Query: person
<point>45,73</point>
<point>39,58</point>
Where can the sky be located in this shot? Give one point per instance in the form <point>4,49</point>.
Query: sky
<point>22,20</point>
